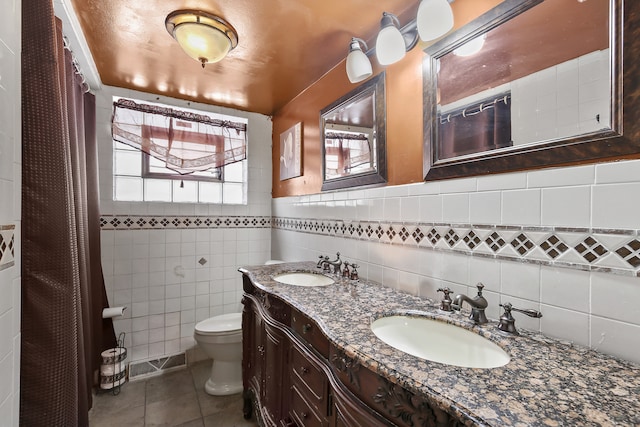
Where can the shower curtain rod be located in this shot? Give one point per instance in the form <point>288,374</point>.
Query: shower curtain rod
<point>341,135</point>
<point>76,64</point>
<point>475,108</point>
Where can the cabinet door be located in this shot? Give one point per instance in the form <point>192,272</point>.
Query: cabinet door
<point>275,355</point>
<point>249,345</point>
<point>252,347</point>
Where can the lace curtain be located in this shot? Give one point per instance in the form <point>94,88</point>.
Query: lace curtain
<point>187,142</point>
<point>346,153</point>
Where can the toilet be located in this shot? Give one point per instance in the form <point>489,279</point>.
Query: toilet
<point>220,337</point>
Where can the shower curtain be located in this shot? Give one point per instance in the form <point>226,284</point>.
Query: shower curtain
<point>486,126</point>
<point>63,293</point>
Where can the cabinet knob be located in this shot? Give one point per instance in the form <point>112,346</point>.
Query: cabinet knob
<point>305,415</point>
<point>306,328</point>
<point>261,350</point>
<point>304,370</point>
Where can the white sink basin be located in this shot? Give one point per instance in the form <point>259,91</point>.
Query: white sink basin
<point>439,342</point>
<point>303,279</point>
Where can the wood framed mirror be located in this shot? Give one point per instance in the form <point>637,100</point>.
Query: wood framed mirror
<point>354,138</point>
<point>553,83</point>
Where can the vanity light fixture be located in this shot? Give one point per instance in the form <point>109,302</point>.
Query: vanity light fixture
<point>391,43</point>
<point>358,65</point>
<point>434,19</point>
<point>204,37</point>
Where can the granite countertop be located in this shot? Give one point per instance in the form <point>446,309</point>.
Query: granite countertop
<point>547,382</point>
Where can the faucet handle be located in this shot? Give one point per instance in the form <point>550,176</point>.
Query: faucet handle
<point>480,287</point>
<point>507,322</point>
<point>354,272</point>
<point>445,304</point>
<point>345,270</point>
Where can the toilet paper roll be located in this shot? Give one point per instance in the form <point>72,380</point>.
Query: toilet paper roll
<point>110,382</point>
<point>113,355</point>
<point>112,369</point>
<point>113,312</point>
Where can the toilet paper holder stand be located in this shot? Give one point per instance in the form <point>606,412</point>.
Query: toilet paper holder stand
<point>113,372</point>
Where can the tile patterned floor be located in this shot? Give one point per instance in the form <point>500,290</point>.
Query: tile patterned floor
<point>173,399</point>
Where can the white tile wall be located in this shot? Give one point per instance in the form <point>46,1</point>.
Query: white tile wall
<point>589,308</point>
<point>155,273</point>
<point>562,100</point>
<point>10,189</point>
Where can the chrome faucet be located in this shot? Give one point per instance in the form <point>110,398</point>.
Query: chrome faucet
<point>336,263</point>
<point>322,261</point>
<point>478,305</point>
<point>326,265</point>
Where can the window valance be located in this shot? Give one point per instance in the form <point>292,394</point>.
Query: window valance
<point>347,152</point>
<point>187,142</point>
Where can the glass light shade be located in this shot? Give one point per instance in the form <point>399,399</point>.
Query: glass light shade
<point>203,36</point>
<point>201,42</point>
<point>358,65</point>
<point>390,46</point>
<point>434,19</point>
<point>471,47</point>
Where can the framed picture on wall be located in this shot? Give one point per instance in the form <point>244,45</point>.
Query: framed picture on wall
<point>291,152</point>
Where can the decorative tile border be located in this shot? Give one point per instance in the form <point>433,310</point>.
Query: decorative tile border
<point>606,251</point>
<point>7,246</point>
<point>615,251</point>
<point>135,222</point>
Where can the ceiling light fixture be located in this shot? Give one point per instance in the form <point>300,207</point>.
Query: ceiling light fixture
<point>358,65</point>
<point>204,37</point>
<point>471,47</point>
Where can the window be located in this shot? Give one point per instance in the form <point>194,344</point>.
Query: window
<point>138,176</point>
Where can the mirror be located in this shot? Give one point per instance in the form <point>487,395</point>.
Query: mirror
<point>353,138</point>
<point>543,87</point>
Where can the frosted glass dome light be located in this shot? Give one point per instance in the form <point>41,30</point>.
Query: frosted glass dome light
<point>471,47</point>
<point>358,65</point>
<point>390,44</point>
<point>204,37</point>
<point>434,19</point>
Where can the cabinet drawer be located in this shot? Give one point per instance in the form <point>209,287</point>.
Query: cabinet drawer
<point>310,333</point>
<point>309,377</point>
<point>303,413</point>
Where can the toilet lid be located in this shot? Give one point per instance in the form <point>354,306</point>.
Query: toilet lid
<point>225,323</point>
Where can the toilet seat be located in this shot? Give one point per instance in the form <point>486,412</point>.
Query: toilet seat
<point>225,324</point>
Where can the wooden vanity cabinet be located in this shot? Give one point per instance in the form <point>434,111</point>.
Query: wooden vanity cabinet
<point>265,356</point>
<point>293,376</point>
